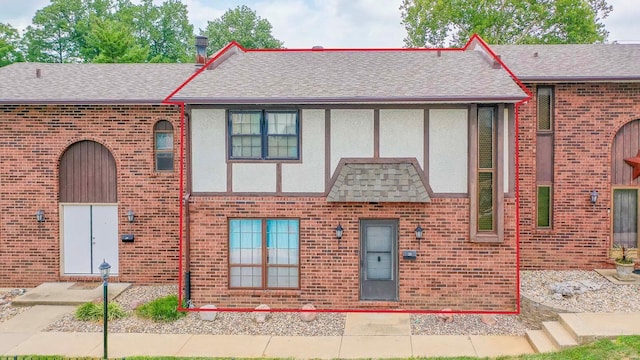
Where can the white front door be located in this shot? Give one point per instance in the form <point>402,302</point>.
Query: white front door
<point>89,236</point>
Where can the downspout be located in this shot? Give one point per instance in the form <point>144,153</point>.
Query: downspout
<point>187,212</point>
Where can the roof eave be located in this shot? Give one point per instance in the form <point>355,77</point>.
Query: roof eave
<point>351,100</point>
<point>81,102</point>
<point>579,78</point>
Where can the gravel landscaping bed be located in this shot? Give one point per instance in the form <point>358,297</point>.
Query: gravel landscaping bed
<point>7,311</point>
<point>228,323</point>
<point>535,284</point>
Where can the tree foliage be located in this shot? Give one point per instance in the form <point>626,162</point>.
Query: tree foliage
<point>244,26</point>
<point>114,43</point>
<point>9,45</point>
<point>452,22</point>
<point>125,31</point>
<point>110,31</point>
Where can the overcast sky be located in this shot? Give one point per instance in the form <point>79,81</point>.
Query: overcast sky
<point>329,23</point>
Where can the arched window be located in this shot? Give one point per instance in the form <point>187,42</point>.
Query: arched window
<point>163,145</point>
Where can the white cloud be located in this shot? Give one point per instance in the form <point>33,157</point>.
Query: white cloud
<point>623,23</point>
<point>334,23</point>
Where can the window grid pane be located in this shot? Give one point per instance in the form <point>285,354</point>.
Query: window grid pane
<point>164,161</point>
<point>281,123</point>
<point>282,146</point>
<point>245,242</point>
<point>246,146</point>
<point>164,141</point>
<point>282,242</point>
<point>544,109</point>
<point>485,201</point>
<point>544,206</point>
<point>485,138</point>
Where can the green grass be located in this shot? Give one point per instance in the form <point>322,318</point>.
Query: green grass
<point>95,312</point>
<point>162,309</point>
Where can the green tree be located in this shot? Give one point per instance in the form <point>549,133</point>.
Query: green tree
<point>164,29</point>
<point>440,23</point>
<point>9,45</point>
<point>114,43</point>
<point>58,31</point>
<point>242,25</point>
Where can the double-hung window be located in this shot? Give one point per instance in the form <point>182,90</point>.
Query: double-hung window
<point>264,253</point>
<point>264,135</point>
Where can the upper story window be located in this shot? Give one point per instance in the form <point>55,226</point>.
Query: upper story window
<point>163,145</point>
<point>264,135</point>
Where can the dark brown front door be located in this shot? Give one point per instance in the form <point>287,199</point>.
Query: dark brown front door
<point>379,260</point>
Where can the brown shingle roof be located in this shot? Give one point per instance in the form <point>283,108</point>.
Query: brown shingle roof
<point>89,83</point>
<point>592,62</point>
<point>351,76</point>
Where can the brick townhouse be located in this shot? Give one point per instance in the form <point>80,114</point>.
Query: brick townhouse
<point>351,179</point>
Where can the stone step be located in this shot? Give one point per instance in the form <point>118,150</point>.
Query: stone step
<point>558,334</point>
<point>540,342</point>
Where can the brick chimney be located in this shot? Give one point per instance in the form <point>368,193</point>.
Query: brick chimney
<point>201,50</point>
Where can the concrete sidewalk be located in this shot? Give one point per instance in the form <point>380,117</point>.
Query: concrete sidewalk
<point>366,336</point>
<point>246,346</point>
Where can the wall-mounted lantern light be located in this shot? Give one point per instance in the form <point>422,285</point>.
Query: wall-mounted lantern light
<point>40,215</point>
<point>594,197</point>
<point>419,231</point>
<point>131,215</point>
<point>339,230</point>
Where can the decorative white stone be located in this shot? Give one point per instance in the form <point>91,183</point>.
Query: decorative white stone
<point>488,319</point>
<point>208,315</point>
<point>308,316</point>
<point>261,316</point>
<point>447,318</point>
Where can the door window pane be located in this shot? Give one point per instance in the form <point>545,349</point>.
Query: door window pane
<point>625,217</point>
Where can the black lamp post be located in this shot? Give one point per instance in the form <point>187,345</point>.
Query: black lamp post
<point>104,272</point>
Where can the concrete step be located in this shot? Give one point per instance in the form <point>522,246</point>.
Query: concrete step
<point>558,334</point>
<point>540,342</point>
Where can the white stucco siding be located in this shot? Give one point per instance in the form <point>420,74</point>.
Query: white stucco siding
<point>309,175</point>
<point>252,177</point>
<point>448,150</point>
<point>402,134</point>
<point>508,147</point>
<point>351,134</point>
<point>208,152</point>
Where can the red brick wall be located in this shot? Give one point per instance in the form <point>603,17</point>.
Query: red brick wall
<point>32,140</point>
<point>450,272</point>
<point>587,117</point>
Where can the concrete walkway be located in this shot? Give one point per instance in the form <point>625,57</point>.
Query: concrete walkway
<point>365,336</point>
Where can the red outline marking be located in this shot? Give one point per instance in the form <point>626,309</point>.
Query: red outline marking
<point>473,38</point>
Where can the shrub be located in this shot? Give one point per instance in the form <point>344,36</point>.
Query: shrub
<point>162,309</point>
<point>94,312</point>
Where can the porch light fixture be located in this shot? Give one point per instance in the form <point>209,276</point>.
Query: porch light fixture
<point>131,215</point>
<point>419,231</point>
<point>339,230</point>
<point>40,215</point>
<point>104,273</point>
<point>594,197</point>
